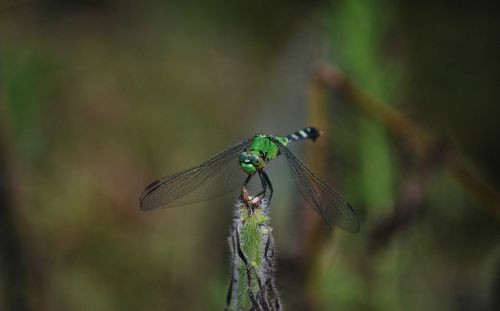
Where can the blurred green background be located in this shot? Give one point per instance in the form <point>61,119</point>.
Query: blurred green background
<point>99,98</point>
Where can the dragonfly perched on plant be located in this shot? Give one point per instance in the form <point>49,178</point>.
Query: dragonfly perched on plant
<point>236,166</point>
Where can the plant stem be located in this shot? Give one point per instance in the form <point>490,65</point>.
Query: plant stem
<point>252,284</point>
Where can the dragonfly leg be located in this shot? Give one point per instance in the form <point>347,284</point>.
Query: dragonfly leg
<point>263,182</point>
<point>268,182</point>
<point>247,180</point>
<point>232,246</point>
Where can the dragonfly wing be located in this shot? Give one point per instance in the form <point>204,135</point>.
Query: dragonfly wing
<point>217,176</point>
<point>332,207</point>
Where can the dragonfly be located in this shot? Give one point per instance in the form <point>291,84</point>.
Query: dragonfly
<point>238,164</point>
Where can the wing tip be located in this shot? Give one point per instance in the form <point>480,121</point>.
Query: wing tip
<point>142,206</point>
<point>352,209</point>
<point>352,228</point>
<point>355,225</point>
<point>147,203</point>
<point>149,189</point>
<point>355,229</point>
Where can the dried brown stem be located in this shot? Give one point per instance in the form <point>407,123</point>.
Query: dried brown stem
<point>12,260</point>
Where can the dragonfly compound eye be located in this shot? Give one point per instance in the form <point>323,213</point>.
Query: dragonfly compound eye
<point>246,163</point>
<point>257,161</point>
<point>245,158</point>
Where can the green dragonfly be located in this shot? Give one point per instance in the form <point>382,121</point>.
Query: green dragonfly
<point>226,170</point>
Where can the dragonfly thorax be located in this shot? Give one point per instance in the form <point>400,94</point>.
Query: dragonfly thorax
<point>251,162</point>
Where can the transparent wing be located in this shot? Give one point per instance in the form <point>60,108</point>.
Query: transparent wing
<point>213,178</point>
<point>323,198</point>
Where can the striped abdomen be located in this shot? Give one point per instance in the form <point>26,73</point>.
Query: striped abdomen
<point>305,133</point>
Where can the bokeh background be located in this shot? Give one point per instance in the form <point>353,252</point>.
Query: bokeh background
<point>100,97</point>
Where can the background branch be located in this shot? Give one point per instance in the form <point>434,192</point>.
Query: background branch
<point>412,135</point>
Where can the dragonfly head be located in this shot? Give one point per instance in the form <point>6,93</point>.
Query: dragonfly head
<point>251,162</point>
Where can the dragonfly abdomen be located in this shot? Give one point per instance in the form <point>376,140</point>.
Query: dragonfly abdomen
<point>305,133</point>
